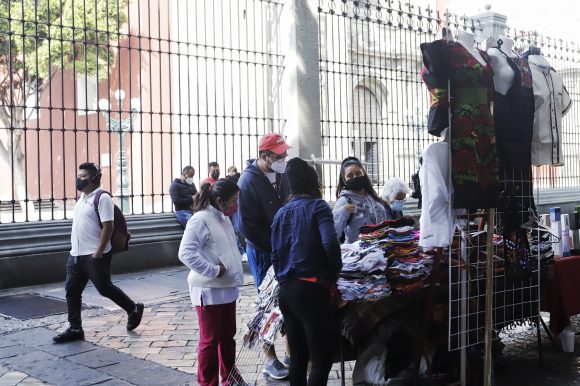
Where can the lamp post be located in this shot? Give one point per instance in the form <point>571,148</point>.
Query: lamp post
<point>120,127</point>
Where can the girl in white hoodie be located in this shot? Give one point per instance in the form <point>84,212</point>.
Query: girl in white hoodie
<point>209,249</point>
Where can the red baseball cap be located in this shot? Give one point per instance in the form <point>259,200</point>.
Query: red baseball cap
<point>273,142</point>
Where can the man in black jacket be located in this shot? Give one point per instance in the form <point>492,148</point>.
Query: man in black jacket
<point>181,191</point>
<point>263,190</point>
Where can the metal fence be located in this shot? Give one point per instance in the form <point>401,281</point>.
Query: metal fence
<point>145,87</point>
<point>374,104</point>
<point>142,87</point>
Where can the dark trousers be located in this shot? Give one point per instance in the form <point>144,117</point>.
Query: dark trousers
<point>79,269</point>
<point>217,346</point>
<point>311,326</point>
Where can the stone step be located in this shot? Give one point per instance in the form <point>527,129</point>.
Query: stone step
<point>54,236</point>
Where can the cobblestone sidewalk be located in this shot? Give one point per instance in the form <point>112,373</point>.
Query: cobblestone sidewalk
<point>162,351</point>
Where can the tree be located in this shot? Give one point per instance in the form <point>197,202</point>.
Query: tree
<point>37,39</point>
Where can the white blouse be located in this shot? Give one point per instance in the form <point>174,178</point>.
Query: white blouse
<point>552,102</point>
<point>437,222</point>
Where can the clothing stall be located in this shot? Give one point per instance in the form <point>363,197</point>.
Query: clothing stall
<point>499,113</point>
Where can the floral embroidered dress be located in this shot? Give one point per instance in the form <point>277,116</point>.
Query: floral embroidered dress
<point>474,167</point>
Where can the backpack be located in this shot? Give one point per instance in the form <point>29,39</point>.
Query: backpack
<point>121,235</point>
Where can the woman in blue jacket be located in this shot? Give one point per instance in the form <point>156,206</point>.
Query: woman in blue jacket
<point>307,261</point>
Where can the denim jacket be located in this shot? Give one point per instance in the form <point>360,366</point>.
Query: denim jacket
<point>304,242</point>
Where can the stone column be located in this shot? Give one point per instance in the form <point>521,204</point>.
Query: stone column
<point>301,90</point>
<point>489,25</point>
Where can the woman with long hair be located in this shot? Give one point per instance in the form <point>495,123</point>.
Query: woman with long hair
<point>357,202</point>
<point>209,249</point>
<point>307,261</point>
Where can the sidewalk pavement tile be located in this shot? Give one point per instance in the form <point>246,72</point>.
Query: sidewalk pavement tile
<point>32,337</point>
<point>99,357</point>
<point>53,369</point>
<point>146,373</point>
<point>71,348</point>
<point>12,351</point>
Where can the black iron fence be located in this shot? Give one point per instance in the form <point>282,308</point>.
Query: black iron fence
<point>374,104</point>
<point>142,87</point>
<point>145,87</point>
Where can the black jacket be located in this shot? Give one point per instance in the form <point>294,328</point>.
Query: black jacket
<point>181,194</point>
<point>257,205</point>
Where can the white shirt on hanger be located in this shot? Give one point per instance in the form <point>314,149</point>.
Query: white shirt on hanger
<point>436,222</point>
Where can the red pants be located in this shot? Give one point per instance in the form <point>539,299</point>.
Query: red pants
<point>217,328</point>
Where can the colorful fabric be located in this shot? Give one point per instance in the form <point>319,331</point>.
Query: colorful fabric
<point>473,141</point>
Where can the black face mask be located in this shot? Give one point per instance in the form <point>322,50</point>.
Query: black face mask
<point>81,184</point>
<point>215,175</point>
<point>356,183</point>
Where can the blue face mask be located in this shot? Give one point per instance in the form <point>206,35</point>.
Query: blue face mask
<point>397,205</point>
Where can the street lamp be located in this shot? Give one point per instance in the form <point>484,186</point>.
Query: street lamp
<point>120,127</point>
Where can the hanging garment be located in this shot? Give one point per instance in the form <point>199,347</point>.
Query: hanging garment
<point>552,102</point>
<point>473,142</point>
<point>514,116</point>
<point>518,260</point>
<point>436,222</point>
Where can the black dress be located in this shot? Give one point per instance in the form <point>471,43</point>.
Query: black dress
<point>514,117</point>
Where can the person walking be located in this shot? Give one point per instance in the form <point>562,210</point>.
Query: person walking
<point>182,191</point>
<point>307,261</point>
<point>208,248</point>
<point>263,191</point>
<point>358,204</point>
<point>90,255</point>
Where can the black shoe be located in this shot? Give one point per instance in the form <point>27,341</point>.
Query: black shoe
<point>69,335</point>
<point>134,318</point>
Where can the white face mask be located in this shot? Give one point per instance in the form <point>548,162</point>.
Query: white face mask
<point>279,166</point>
<point>189,180</point>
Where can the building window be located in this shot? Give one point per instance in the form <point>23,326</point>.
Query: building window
<point>371,159</point>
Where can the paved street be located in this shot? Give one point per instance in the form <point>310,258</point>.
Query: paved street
<point>162,351</point>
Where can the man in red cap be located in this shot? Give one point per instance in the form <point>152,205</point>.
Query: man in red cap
<point>263,190</point>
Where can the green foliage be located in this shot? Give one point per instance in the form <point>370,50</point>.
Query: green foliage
<point>40,36</point>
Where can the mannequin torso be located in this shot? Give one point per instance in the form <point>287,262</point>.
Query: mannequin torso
<point>503,74</point>
<point>467,40</point>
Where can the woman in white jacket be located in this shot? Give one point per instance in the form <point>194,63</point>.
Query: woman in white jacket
<point>210,250</point>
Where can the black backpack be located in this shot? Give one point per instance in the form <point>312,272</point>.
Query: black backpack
<point>121,235</point>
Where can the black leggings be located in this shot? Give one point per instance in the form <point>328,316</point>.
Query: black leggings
<point>311,327</point>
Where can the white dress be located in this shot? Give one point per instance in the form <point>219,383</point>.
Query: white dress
<point>552,102</point>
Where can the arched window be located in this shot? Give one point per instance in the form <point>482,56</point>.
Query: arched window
<point>366,113</point>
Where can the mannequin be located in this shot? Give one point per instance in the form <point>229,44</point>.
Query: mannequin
<point>467,40</point>
<point>503,74</point>
<point>513,104</point>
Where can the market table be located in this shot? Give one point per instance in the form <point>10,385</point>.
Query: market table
<point>560,294</point>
